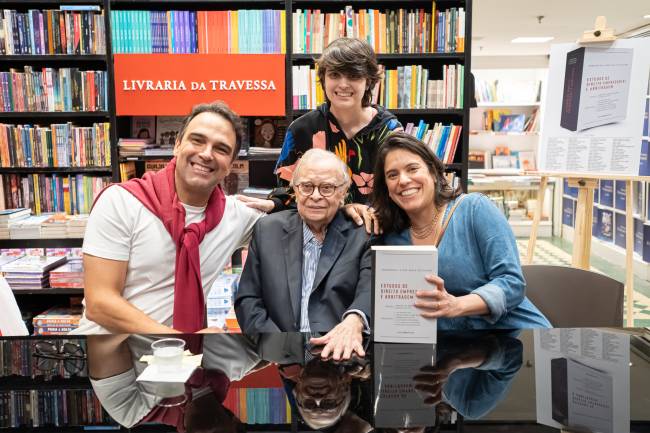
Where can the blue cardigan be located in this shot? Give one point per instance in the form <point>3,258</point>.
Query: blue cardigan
<point>478,254</point>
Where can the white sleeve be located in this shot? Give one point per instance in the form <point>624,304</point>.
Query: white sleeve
<point>110,225</point>
<point>248,218</point>
<point>121,397</point>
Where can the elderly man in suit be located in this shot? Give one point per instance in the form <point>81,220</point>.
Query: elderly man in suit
<point>309,269</point>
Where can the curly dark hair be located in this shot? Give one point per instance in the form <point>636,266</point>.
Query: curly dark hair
<point>392,217</point>
<point>222,109</point>
<point>352,57</point>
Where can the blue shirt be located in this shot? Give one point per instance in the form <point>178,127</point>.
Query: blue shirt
<point>478,254</point>
<point>311,248</point>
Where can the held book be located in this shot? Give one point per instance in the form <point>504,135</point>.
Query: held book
<point>596,87</point>
<point>398,273</point>
<point>396,402</point>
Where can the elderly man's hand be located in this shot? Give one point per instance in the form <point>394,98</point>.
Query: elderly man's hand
<point>344,339</point>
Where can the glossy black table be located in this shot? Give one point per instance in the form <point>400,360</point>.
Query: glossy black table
<point>583,380</point>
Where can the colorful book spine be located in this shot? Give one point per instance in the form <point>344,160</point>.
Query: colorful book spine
<point>247,31</point>
<point>59,145</point>
<point>52,32</point>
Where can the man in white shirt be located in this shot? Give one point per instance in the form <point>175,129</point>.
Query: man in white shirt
<point>167,234</point>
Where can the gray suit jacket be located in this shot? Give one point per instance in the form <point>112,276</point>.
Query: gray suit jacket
<point>270,289</point>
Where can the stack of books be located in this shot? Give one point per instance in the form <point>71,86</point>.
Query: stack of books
<point>9,215</point>
<point>220,299</point>
<point>31,272</point>
<point>133,146</point>
<point>68,276</point>
<point>57,320</point>
<point>76,227</point>
<point>55,227</point>
<point>27,228</point>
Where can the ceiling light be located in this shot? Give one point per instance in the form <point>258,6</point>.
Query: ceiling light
<point>647,17</point>
<point>532,40</point>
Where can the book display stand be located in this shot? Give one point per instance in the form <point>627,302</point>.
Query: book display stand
<point>586,183</point>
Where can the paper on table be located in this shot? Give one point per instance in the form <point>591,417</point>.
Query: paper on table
<point>153,374</point>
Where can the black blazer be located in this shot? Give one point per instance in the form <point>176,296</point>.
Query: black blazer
<point>270,289</point>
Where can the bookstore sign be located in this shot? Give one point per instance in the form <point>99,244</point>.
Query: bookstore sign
<point>171,84</point>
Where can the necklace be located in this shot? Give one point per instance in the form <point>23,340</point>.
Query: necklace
<point>425,231</point>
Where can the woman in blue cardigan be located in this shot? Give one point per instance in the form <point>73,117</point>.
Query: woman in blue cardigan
<point>479,283</point>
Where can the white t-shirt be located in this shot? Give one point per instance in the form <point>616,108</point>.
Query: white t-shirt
<point>121,228</point>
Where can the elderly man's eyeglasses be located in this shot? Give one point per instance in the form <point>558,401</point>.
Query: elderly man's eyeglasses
<point>324,189</point>
<point>323,404</point>
<point>49,354</point>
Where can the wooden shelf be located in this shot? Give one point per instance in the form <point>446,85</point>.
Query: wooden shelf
<point>42,243</point>
<point>29,170</point>
<point>16,383</point>
<point>19,58</point>
<point>54,115</point>
<point>48,291</point>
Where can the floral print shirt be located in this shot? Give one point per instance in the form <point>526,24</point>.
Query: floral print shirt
<point>320,129</point>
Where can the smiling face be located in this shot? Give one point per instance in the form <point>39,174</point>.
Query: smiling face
<point>315,210</point>
<point>203,157</point>
<point>344,91</point>
<point>410,184</point>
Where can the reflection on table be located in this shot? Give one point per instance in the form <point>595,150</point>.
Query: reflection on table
<point>583,380</point>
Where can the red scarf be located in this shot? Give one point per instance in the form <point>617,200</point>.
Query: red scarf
<point>157,192</point>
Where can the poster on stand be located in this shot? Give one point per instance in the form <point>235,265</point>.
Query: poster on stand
<point>595,107</point>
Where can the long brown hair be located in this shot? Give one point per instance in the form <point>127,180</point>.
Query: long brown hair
<point>392,217</point>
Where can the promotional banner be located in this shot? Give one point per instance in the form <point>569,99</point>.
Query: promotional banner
<point>594,109</point>
<point>171,84</point>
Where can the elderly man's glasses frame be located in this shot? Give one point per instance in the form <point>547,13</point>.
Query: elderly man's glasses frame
<point>49,355</point>
<point>324,189</point>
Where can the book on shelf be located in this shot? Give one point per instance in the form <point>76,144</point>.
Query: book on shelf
<point>143,127</point>
<point>30,272</point>
<point>412,86</point>
<point>237,180</point>
<point>390,32</point>
<point>72,194</point>
<point>503,120</point>
<point>58,316</point>
<point>243,31</point>
<point>155,165</point>
<point>398,273</point>
<point>7,215</point>
<point>406,87</point>
<point>52,89</point>
<point>507,92</point>
<point>127,170</point>
<point>59,145</point>
<point>441,139</point>
<point>269,132</point>
<point>53,31</point>
<point>167,129</point>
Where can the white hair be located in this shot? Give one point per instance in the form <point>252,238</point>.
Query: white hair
<point>320,155</point>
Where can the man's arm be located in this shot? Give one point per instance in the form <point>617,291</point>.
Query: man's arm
<point>104,283</point>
